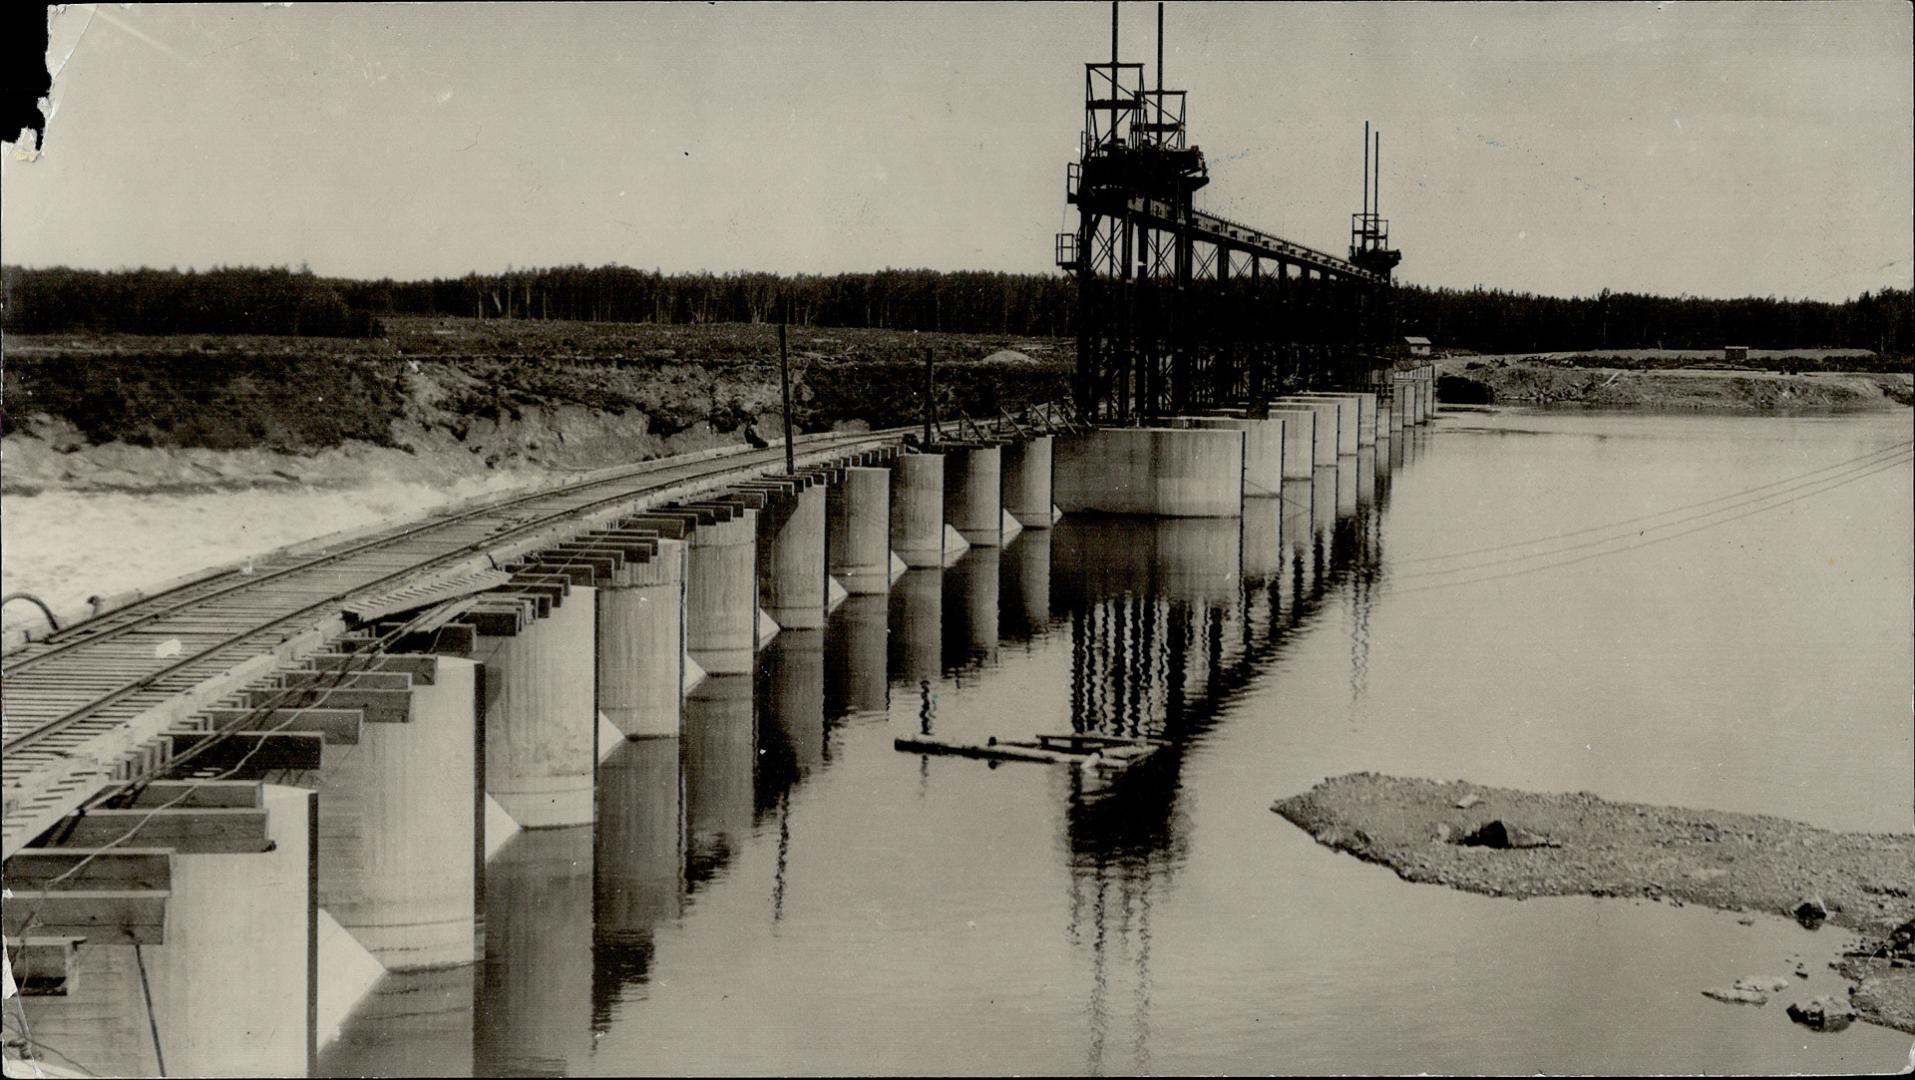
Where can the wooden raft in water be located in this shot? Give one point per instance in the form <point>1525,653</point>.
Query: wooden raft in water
<point>1107,753</point>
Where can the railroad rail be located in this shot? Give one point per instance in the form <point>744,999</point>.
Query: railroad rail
<point>109,684</point>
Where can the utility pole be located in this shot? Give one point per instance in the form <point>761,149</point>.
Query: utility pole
<point>784,378</point>
<point>930,399</point>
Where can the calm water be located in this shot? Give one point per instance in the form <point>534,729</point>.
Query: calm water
<point>780,891</point>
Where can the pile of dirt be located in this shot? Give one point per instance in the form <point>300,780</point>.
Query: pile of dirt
<point>1539,382</point>
<point>1503,842</point>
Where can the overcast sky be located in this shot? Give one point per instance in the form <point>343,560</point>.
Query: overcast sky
<point>1714,149</point>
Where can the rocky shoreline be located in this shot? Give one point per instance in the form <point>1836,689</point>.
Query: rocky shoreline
<point>1504,842</point>
<point>1580,381</point>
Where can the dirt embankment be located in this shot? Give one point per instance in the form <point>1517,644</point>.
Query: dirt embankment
<point>1503,842</point>
<point>1552,381</point>
<point>451,397</point>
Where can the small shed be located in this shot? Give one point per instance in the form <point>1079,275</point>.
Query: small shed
<point>1417,346</point>
<point>1735,352</point>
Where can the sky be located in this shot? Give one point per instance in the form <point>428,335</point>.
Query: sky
<point>1711,149</point>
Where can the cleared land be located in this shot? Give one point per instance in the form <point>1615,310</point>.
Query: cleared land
<point>86,411</point>
<point>1676,379</point>
<point>1579,844</point>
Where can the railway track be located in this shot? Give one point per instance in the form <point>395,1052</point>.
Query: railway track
<point>64,692</point>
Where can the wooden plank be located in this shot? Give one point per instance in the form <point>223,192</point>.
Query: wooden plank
<point>753,499</point>
<point>590,547</point>
<point>1077,738</point>
<point>423,669</point>
<point>498,620</point>
<point>103,917</point>
<point>671,526</point>
<point>346,680</point>
<point>629,546</point>
<point>709,513</point>
<point>380,706</point>
<point>576,571</point>
<point>194,831</point>
<point>253,753</point>
<point>453,639</point>
<point>338,726</point>
<point>89,869</point>
<point>998,752</point>
<point>191,795</point>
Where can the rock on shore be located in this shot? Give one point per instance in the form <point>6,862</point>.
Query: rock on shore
<point>1503,842</point>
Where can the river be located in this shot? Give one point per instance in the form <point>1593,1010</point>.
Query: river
<point>1704,611</point>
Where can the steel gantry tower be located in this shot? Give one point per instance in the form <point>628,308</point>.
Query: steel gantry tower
<point>1179,309</point>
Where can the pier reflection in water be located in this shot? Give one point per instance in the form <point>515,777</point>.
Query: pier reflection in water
<point>856,642</point>
<point>779,889</point>
<point>534,1013</point>
<point>414,1024</point>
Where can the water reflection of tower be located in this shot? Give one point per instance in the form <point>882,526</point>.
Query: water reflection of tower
<point>1147,602</point>
<point>1167,626</point>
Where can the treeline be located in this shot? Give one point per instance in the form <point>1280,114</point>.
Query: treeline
<point>282,301</point>
<point>964,302</point>
<point>238,300</point>
<point>1489,320</point>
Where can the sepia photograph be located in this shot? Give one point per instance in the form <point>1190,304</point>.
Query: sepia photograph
<point>933,538</point>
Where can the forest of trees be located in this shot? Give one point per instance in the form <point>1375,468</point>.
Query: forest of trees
<point>1490,320</point>
<point>283,301</point>
<point>238,300</point>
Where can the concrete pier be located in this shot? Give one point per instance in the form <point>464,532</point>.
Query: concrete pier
<point>1263,449</point>
<point>1348,491</point>
<point>917,509</point>
<point>207,961</point>
<point>1298,515</point>
<point>396,846</point>
<point>858,530</point>
<point>721,594</point>
<point>1419,388</point>
<point>1155,472</point>
<point>1307,439</point>
<point>641,642</point>
<point>1399,403</point>
<point>791,559</point>
<point>973,494</point>
<point>1331,435</point>
<point>1323,502</point>
<point>1262,538</point>
<point>541,713</point>
<point>1366,423</point>
<point>1348,417</point>
<point>1027,481</point>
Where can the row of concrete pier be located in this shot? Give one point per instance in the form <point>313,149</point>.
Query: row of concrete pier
<point>338,823</point>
